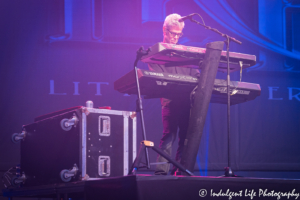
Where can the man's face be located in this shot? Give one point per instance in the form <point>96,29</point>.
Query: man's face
<point>172,34</point>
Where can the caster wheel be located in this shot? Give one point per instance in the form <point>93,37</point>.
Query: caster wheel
<point>63,177</point>
<point>14,182</point>
<point>63,125</point>
<point>13,138</point>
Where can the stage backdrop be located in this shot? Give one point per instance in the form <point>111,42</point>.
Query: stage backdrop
<point>58,54</point>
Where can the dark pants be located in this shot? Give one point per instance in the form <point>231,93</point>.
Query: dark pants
<point>175,117</point>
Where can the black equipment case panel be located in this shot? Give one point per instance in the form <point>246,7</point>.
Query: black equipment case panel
<point>102,143</point>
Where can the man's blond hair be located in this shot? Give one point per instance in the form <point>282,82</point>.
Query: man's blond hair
<point>172,20</point>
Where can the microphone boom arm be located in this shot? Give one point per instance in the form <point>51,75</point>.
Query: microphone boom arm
<point>216,31</point>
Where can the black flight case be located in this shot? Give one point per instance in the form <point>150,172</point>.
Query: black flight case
<point>79,143</point>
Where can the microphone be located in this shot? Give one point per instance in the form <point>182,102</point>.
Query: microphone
<point>186,17</point>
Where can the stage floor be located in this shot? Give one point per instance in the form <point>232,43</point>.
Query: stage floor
<point>149,187</point>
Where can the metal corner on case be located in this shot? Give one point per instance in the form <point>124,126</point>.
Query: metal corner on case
<point>132,115</point>
<point>86,111</point>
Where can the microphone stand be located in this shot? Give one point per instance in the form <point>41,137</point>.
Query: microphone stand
<point>139,105</point>
<point>228,170</point>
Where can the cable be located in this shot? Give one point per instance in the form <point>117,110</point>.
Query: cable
<point>7,177</point>
<point>201,18</point>
<point>234,91</point>
<point>192,96</point>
